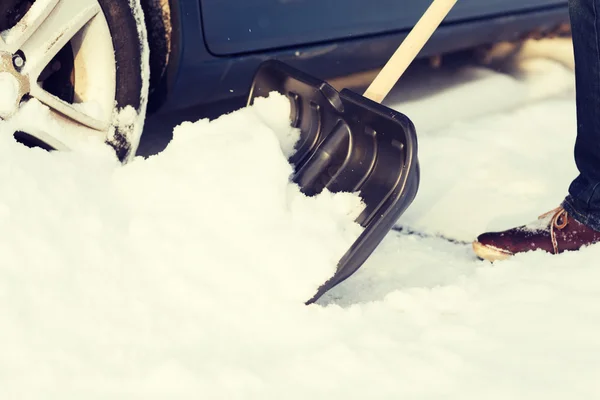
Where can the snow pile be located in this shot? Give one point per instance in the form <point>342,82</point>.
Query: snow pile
<point>183,276</point>
<point>121,270</point>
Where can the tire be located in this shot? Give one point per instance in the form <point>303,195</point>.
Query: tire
<point>126,23</point>
<point>112,41</point>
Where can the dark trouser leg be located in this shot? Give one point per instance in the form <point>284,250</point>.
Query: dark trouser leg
<point>583,201</point>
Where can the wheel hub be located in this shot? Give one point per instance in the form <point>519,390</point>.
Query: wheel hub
<point>13,85</point>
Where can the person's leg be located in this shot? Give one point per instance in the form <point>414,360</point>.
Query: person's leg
<point>576,222</point>
<point>583,201</point>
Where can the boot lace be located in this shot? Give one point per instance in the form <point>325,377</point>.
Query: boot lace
<point>559,221</point>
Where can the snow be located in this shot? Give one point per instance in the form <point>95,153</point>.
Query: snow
<point>10,92</point>
<point>184,275</point>
<point>91,108</point>
<point>500,168</point>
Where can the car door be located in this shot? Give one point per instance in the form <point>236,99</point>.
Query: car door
<point>237,27</point>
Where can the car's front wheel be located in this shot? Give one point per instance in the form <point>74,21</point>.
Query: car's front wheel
<point>73,69</point>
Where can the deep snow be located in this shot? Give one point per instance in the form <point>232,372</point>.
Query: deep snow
<point>184,275</point>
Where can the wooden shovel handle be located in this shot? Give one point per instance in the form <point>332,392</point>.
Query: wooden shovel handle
<point>408,50</point>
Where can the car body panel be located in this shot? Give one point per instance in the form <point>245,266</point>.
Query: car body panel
<point>197,76</point>
<point>237,27</point>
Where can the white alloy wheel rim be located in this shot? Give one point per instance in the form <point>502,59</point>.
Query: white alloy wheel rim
<point>44,30</point>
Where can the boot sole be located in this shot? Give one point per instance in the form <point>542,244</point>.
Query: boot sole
<point>489,253</point>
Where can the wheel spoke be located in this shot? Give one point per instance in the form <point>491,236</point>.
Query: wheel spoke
<point>51,126</point>
<point>38,125</point>
<point>43,135</point>
<point>68,110</point>
<point>46,28</point>
<point>17,35</point>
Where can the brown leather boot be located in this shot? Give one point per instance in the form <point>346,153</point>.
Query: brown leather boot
<point>554,232</point>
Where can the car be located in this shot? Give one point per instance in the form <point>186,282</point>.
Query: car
<point>103,66</point>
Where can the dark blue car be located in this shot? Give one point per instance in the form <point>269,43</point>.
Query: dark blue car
<point>101,66</point>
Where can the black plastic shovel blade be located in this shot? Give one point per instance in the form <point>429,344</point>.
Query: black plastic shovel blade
<point>348,143</point>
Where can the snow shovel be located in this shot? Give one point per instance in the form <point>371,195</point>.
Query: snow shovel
<point>352,143</point>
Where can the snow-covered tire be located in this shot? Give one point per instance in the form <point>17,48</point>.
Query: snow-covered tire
<point>108,72</point>
<point>126,22</point>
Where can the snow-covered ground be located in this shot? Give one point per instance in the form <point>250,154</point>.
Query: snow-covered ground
<point>183,276</point>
